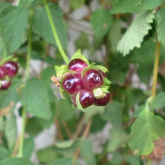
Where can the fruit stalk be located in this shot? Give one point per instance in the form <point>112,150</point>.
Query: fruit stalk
<point>20,152</point>
<point>55,32</point>
<point>156,66</point>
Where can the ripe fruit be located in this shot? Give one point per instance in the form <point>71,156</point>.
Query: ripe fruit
<point>77,65</point>
<point>92,79</point>
<point>72,83</point>
<point>5,83</point>
<point>102,101</point>
<point>3,72</point>
<point>11,67</point>
<point>86,98</point>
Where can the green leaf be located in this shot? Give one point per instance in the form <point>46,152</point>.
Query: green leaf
<point>60,70</point>
<point>101,21</point>
<point>63,161</point>
<point>16,161</point>
<point>138,111</point>
<point>78,55</point>
<point>3,153</point>
<point>39,106</point>
<point>64,110</point>
<point>146,129</point>
<point>136,32</point>
<point>161,25</point>
<point>3,6</point>
<point>9,97</point>
<point>42,26</point>
<point>2,124</point>
<point>82,42</point>
<point>28,147</point>
<point>79,106</point>
<point>132,159</point>
<point>13,22</point>
<point>11,131</point>
<point>158,102</point>
<point>2,47</point>
<point>87,153</point>
<point>77,4</point>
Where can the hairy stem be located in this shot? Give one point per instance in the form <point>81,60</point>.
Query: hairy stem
<point>156,66</point>
<point>55,32</point>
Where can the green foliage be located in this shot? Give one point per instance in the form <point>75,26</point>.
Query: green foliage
<point>3,153</point>
<point>76,4</point>
<point>15,161</point>
<point>136,32</point>
<point>13,22</point>
<point>42,26</point>
<point>101,21</point>
<point>39,106</point>
<point>63,161</point>
<point>145,130</point>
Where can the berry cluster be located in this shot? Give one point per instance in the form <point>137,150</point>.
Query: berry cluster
<point>7,70</point>
<point>86,84</point>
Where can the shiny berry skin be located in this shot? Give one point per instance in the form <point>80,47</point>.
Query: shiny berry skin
<point>5,84</point>
<point>72,83</point>
<point>92,79</point>
<point>3,72</point>
<point>11,67</point>
<point>102,101</point>
<point>86,98</point>
<point>77,65</point>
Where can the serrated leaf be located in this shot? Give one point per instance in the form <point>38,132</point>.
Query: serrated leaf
<point>158,101</point>
<point>63,161</point>
<point>28,147</point>
<point>42,26</point>
<point>3,6</point>
<point>146,129</point>
<point>13,22</point>
<point>78,55</point>
<point>136,32</point>
<point>77,4</point>
<point>138,111</point>
<point>101,21</point>
<point>161,25</point>
<point>16,161</point>
<point>11,131</point>
<point>60,70</point>
<point>87,153</point>
<point>40,106</point>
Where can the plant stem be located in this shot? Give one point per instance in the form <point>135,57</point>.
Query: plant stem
<point>55,32</point>
<point>29,47</point>
<point>156,66</point>
<point>20,152</point>
<point>149,162</point>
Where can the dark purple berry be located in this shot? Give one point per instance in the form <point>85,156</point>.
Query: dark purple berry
<point>102,101</point>
<point>72,83</point>
<point>11,67</point>
<point>5,83</point>
<point>92,79</point>
<point>77,65</point>
<point>86,98</point>
<point>3,72</point>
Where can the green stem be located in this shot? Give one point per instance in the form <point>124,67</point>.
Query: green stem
<point>20,153</point>
<point>55,32</point>
<point>29,47</point>
<point>149,162</point>
<point>156,66</point>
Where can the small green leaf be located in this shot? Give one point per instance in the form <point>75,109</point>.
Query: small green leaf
<point>15,161</point>
<point>101,21</point>
<point>82,41</point>
<point>40,106</point>
<point>77,4</point>
<point>136,32</point>
<point>13,22</point>
<point>28,147</point>
<point>146,129</point>
<point>161,25</point>
<point>60,70</point>
<point>138,111</point>
<point>63,161</point>
<point>78,102</point>
<point>11,130</point>
<point>78,55</point>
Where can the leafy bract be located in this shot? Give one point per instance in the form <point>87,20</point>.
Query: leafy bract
<point>13,22</point>
<point>146,129</point>
<point>34,98</point>
<point>136,32</point>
